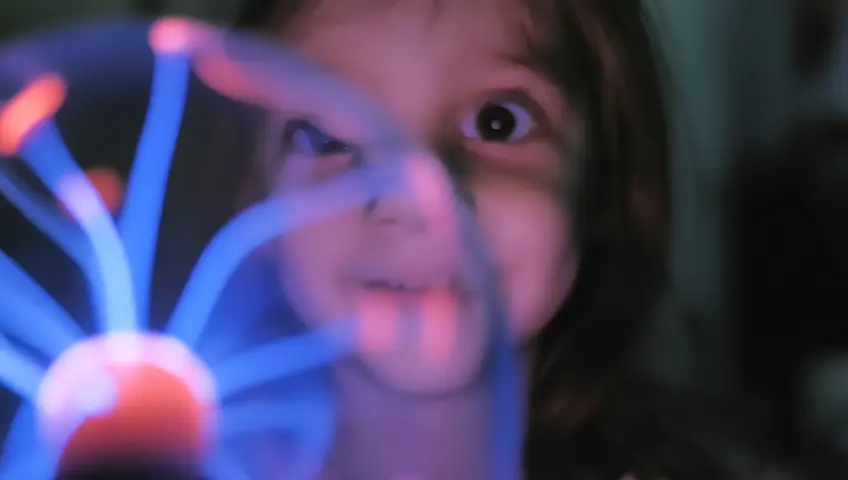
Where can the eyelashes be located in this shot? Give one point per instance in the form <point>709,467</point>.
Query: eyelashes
<point>499,122</point>
<point>303,137</point>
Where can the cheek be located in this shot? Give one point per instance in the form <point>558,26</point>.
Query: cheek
<point>311,260</point>
<point>529,234</point>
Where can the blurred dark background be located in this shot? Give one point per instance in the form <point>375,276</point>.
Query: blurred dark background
<point>752,338</point>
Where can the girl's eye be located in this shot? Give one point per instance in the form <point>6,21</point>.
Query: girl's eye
<point>301,137</point>
<point>499,122</point>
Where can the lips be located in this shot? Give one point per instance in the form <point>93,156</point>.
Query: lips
<point>394,313</point>
<point>404,295</point>
<point>409,287</point>
<point>409,279</point>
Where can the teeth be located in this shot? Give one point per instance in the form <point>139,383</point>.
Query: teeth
<point>388,284</point>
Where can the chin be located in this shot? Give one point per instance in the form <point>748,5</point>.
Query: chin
<point>405,370</point>
<point>409,378</point>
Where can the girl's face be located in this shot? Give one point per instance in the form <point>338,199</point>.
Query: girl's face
<point>458,76</point>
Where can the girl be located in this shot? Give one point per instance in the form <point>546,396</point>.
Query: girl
<point>549,116</point>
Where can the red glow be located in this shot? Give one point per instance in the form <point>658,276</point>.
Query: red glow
<point>32,106</point>
<point>174,35</point>
<point>163,403</point>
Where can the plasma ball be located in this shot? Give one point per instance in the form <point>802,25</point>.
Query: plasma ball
<point>127,394</point>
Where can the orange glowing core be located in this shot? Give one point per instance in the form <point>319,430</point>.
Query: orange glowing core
<point>127,394</point>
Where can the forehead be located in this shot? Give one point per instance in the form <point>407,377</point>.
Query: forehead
<point>470,28</point>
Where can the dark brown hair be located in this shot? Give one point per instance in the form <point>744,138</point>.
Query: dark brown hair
<point>601,53</point>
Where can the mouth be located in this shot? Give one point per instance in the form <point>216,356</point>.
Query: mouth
<point>408,285</point>
<point>399,314</point>
<point>394,285</point>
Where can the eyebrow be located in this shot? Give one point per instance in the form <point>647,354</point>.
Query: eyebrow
<point>535,54</point>
<point>532,62</point>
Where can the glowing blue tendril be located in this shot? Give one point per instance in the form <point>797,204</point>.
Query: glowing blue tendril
<point>19,373</point>
<point>21,436</point>
<point>47,219</point>
<point>46,155</point>
<point>31,465</point>
<point>242,235</point>
<point>221,467</point>
<point>280,359</point>
<point>142,211</point>
<point>47,327</point>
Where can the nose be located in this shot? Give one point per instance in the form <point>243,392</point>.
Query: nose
<point>426,204</point>
<point>395,213</point>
